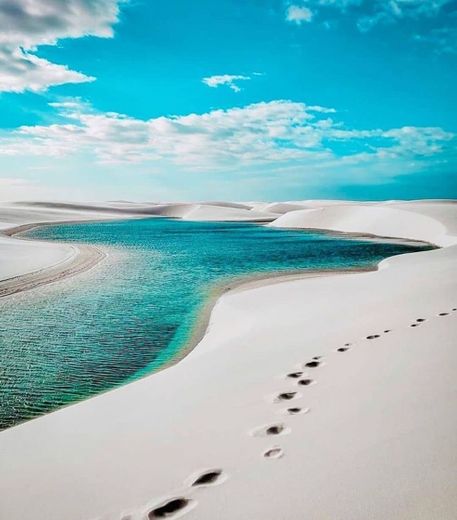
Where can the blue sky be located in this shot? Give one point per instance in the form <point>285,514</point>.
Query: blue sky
<point>252,99</point>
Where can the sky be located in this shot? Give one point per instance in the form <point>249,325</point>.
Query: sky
<point>241,100</point>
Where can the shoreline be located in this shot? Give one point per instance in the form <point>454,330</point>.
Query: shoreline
<point>365,236</point>
<point>237,285</point>
<point>85,258</point>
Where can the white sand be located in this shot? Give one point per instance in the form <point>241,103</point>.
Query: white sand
<point>378,441</point>
<point>417,221</point>
<point>19,258</point>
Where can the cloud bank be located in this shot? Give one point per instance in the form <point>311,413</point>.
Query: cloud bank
<point>275,133</point>
<point>371,13</point>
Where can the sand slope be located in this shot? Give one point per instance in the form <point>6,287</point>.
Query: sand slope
<point>372,436</point>
<point>417,223</point>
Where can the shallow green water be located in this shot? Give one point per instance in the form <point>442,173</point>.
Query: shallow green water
<point>127,317</point>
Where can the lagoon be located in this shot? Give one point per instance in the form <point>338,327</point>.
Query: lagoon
<point>137,310</point>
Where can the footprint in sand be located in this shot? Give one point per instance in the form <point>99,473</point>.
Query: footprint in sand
<point>295,410</point>
<point>443,314</point>
<point>274,453</point>
<point>387,331</point>
<point>373,336</point>
<point>209,478</point>
<point>273,429</point>
<point>295,375</point>
<point>312,364</point>
<point>305,382</point>
<point>286,396</point>
<point>276,429</point>
<point>170,508</point>
<point>420,320</point>
<point>342,349</point>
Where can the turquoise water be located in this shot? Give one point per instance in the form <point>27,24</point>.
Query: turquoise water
<point>127,317</point>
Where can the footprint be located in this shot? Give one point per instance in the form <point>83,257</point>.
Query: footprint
<point>169,508</point>
<point>273,429</point>
<point>443,314</point>
<point>347,344</point>
<point>414,324</point>
<point>373,336</point>
<point>312,364</point>
<point>295,375</point>
<point>295,410</point>
<point>454,309</point>
<point>317,357</point>
<point>286,396</point>
<point>274,453</point>
<point>276,429</point>
<point>208,478</point>
<point>342,349</point>
<point>387,330</point>
<point>420,320</point>
<point>305,382</point>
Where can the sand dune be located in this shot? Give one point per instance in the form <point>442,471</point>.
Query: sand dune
<point>381,220</point>
<point>18,214</point>
<point>326,397</point>
<point>212,212</point>
<point>215,213</point>
<point>283,207</point>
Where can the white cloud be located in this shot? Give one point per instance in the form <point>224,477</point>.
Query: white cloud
<point>27,24</point>
<point>298,14</point>
<point>277,132</point>
<point>392,8</point>
<point>20,70</point>
<point>369,13</point>
<point>226,79</point>
<point>444,39</point>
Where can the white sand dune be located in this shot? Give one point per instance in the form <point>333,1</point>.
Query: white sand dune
<point>215,213</point>
<point>32,212</point>
<point>408,220</point>
<point>283,207</point>
<point>212,212</point>
<point>371,437</point>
